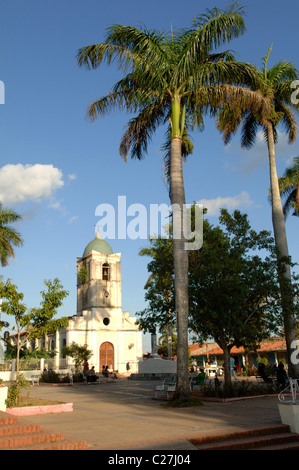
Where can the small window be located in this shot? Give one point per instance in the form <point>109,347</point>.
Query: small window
<point>106,321</point>
<point>106,273</point>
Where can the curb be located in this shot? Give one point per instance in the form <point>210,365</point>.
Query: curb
<point>40,410</point>
<point>228,400</point>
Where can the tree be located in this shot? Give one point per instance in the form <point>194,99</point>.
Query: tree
<point>38,321</point>
<point>275,85</point>
<point>11,352</point>
<point>159,290</point>
<point>170,78</point>
<point>234,294</point>
<point>79,353</point>
<point>163,343</point>
<point>289,188</point>
<point>9,236</point>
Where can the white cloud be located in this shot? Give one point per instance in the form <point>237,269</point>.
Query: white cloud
<point>21,183</point>
<point>229,202</point>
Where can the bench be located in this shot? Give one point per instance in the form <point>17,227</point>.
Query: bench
<point>167,387</point>
<point>98,379</point>
<point>197,381</point>
<point>171,388</point>
<point>34,379</point>
<point>271,380</point>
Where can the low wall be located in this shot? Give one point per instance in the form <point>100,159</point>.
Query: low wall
<point>156,365</point>
<point>39,366</point>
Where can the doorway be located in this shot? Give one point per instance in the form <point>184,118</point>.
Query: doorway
<point>107,355</point>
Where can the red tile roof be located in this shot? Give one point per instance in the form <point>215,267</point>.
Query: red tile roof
<point>275,344</point>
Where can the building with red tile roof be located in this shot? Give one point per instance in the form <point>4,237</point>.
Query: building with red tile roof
<point>274,350</point>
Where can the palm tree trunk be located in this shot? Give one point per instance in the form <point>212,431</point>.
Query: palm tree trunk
<point>284,270</point>
<point>177,194</point>
<point>226,365</point>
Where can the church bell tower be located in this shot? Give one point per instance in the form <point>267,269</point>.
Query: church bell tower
<point>98,277</point>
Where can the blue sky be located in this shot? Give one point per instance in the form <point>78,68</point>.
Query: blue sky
<point>56,167</point>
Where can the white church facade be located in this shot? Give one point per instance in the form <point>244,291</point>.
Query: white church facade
<point>100,323</point>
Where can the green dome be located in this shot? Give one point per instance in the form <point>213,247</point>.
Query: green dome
<point>98,245</point>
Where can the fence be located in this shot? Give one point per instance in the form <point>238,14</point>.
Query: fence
<point>29,366</point>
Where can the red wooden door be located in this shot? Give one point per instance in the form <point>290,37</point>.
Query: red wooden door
<point>107,355</point>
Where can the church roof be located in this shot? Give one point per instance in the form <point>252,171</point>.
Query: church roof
<point>98,244</point>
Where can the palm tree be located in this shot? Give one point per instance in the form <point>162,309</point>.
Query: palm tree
<point>9,237</point>
<point>275,85</point>
<point>170,78</point>
<point>289,188</point>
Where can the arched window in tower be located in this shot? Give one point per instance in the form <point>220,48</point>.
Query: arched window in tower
<point>106,272</point>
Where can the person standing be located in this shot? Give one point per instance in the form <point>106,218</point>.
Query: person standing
<point>86,369</point>
<point>281,376</point>
<point>232,368</point>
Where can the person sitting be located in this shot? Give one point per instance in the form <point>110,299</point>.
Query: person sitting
<point>112,375</point>
<point>92,376</point>
<point>281,376</point>
<point>105,372</point>
<point>199,380</point>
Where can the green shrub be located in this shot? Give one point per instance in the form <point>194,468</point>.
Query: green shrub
<point>78,377</point>
<point>242,388</point>
<point>50,377</point>
<point>55,378</point>
<point>14,391</point>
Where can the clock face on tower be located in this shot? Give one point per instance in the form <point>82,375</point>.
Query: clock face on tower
<point>106,294</point>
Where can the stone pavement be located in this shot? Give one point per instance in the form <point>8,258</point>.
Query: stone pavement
<point>123,415</point>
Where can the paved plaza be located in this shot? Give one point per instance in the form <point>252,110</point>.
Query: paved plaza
<point>123,415</point>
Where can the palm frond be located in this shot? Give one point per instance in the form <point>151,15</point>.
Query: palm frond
<point>289,188</point>
<point>141,128</point>
<point>282,72</point>
<point>238,105</point>
<point>128,45</point>
<point>287,119</point>
<point>216,27</point>
<point>107,104</point>
<point>9,236</point>
<point>290,203</point>
<point>209,31</point>
<point>249,130</point>
<point>91,57</point>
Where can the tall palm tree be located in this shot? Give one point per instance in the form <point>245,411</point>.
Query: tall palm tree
<point>275,85</point>
<point>9,236</point>
<point>289,188</point>
<point>170,78</point>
